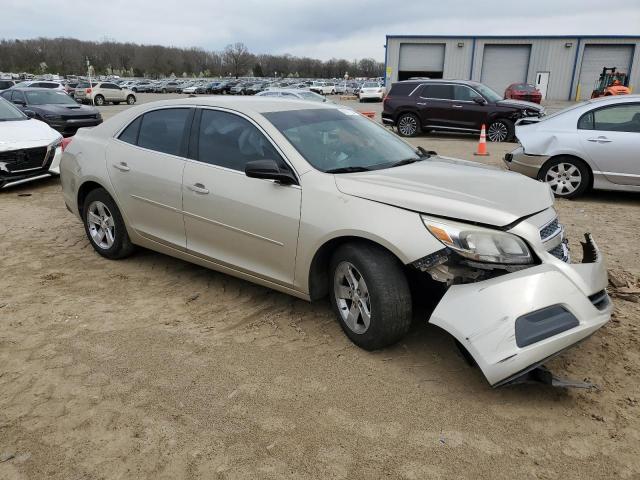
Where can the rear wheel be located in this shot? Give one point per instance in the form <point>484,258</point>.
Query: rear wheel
<point>131,100</point>
<point>500,131</point>
<point>567,177</point>
<point>370,295</point>
<point>104,226</point>
<point>408,125</point>
<point>99,100</point>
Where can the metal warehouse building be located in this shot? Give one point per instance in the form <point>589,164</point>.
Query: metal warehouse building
<point>562,67</point>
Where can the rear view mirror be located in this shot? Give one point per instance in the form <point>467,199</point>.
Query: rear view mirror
<point>269,170</point>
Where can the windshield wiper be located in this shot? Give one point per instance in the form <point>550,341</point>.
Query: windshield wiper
<point>348,170</point>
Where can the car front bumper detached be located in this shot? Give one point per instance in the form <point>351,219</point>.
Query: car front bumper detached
<point>513,323</point>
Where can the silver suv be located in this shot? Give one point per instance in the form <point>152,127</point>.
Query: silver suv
<point>100,93</point>
<point>315,200</point>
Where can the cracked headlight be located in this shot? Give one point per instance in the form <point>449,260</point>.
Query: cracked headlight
<point>478,243</point>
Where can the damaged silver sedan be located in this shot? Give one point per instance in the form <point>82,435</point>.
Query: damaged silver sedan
<point>316,200</point>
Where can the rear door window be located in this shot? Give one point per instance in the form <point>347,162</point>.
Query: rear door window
<point>618,118</point>
<point>164,130</point>
<point>437,92</point>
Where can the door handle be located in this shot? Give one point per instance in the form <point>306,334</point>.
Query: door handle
<point>198,188</point>
<point>599,140</point>
<point>122,166</point>
<point>420,103</point>
<point>456,106</point>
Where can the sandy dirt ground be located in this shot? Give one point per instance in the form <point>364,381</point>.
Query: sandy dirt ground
<point>153,368</point>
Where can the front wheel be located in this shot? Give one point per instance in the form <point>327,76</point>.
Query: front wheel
<point>500,131</point>
<point>99,100</point>
<point>370,295</point>
<point>567,177</point>
<point>408,125</point>
<point>131,100</point>
<point>104,226</point>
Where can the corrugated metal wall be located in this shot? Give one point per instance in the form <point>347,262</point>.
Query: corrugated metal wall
<point>560,56</point>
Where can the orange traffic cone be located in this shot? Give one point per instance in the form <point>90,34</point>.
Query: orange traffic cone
<point>482,144</point>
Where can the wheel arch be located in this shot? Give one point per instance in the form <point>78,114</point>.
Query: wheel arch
<point>319,267</point>
<point>84,190</point>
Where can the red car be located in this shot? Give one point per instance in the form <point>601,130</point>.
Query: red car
<point>523,91</point>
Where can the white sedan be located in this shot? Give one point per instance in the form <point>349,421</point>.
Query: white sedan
<point>29,149</point>
<point>371,90</point>
<point>314,200</point>
<point>593,144</point>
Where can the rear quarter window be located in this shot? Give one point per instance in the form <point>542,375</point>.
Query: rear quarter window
<point>402,89</point>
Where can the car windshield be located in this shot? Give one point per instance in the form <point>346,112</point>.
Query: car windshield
<point>49,98</point>
<point>487,92</point>
<point>311,96</point>
<point>370,85</point>
<point>85,85</point>
<point>524,87</point>
<point>9,113</point>
<point>341,139</point>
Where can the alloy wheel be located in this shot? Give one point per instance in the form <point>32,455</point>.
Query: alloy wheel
<point>498,132</point>
<point>101,225</point>
<point>564,178</point>
<point>408,125</point>
<point>352,297</point>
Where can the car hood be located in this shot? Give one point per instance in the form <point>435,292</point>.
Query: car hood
<point>65,110</point>
<point>509,102</point>
<point>452,188</point>
<point>25,134</point>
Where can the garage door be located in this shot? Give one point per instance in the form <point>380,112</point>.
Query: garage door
<point>503,65</point>
<point>421,60</point>
<point>596,57</point>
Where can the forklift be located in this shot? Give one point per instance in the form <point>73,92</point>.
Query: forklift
<point>611,82</point>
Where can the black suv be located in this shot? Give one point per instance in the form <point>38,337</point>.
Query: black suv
<point>415,106</point>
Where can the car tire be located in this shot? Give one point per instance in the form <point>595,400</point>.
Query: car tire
<point>99,100</point>
<point>370,295</point>
<point>134,89</point>
<point>104,226</point>
<point>568,177</point>
<point>164,90</point>
<point>116,103</point>
<point>500,131</point>
<point>408,125</point>
<point>131,100</point>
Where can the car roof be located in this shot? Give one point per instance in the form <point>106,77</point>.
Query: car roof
<point>252,104</point>
<point>35,89</point>
<point>614,99</point>
<point>435,80</point>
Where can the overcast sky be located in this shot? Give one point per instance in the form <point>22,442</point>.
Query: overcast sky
<point>320,28</point>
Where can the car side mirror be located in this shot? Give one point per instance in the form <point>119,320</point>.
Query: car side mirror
<point>269,170</point>
<point>479,100</point>
<point>20,103</point>
<point>30,113</point>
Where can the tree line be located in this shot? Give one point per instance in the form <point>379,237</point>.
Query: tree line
<point>68,56</point>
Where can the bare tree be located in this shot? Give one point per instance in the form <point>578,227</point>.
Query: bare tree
<point>237,58</point>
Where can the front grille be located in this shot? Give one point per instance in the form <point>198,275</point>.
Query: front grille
<point>559,252</point>
<point>21,160</point>
<point>549,230</point>
<point>81,117</point>
<point>600,300</point>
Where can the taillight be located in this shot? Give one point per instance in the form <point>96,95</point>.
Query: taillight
<point>65,143</point>
<point>88,90</point>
